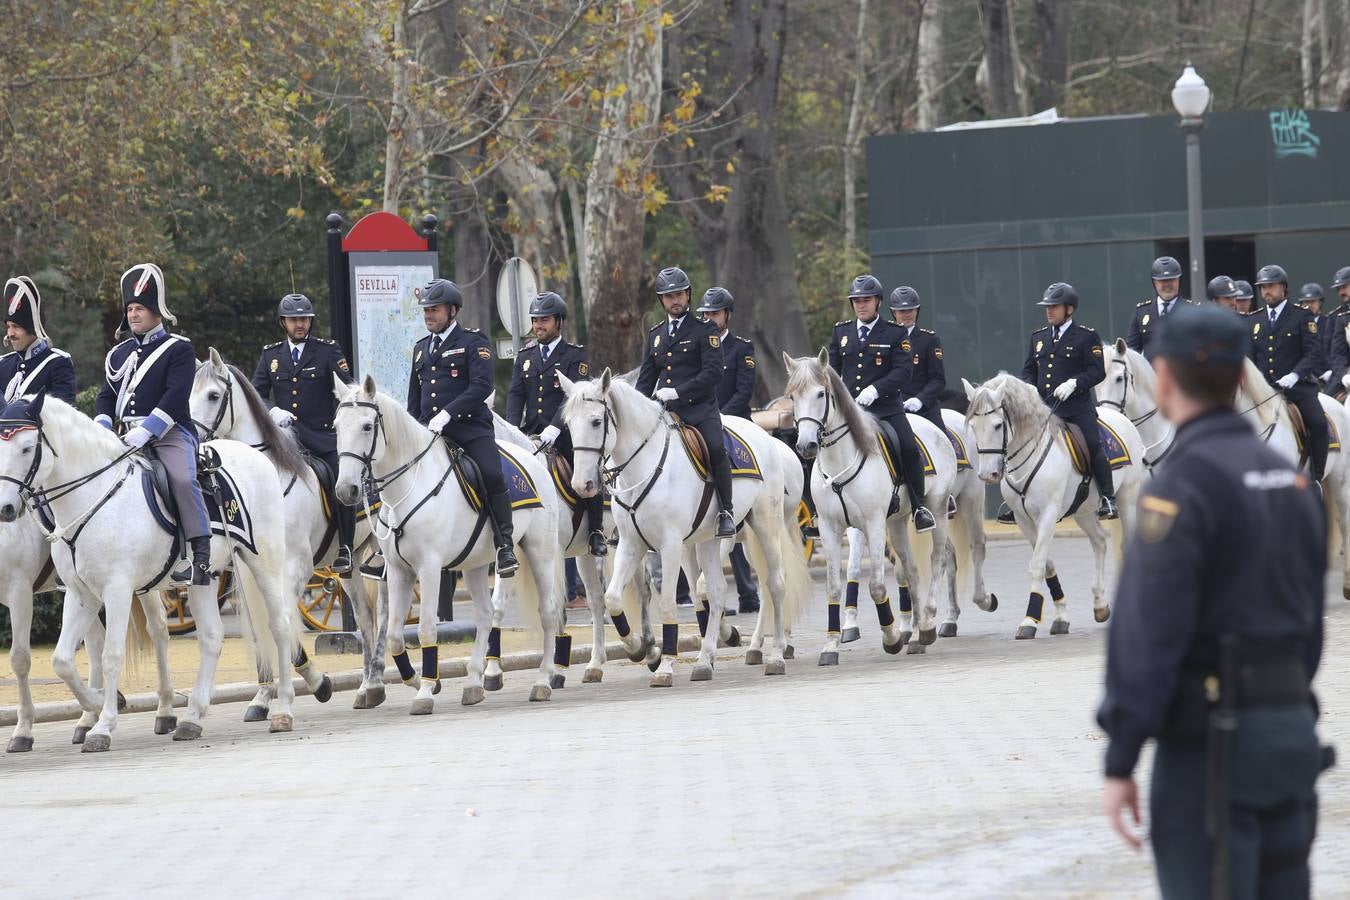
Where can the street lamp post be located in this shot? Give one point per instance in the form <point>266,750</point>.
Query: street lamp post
<point>1190,96</point>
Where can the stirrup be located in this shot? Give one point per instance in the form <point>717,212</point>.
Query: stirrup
<point>506,562</point>
<point>342,563</point>
<point>1107,510</point>
<point>599,546</point>
<point>923,520</point>
<point>726,525</point>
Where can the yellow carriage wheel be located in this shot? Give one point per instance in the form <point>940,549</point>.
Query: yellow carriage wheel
<point>803,520</point>
<point>178,612</point>
<point>321,604</point>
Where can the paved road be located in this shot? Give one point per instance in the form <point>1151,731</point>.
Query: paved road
<point>971,771</point>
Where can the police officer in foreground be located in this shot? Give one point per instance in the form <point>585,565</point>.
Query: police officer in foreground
<point>35,366</point>
<point>1338,352</point>
<point>733,397</point>
<point>869,355</point>
<point>535,399</point>
<point>297,375</point>
<point>448,388</point>
<point>1064,362</point>
<point>1245,297</point>
<point>1223,291</point>
<point>148,383</point>
<point>1287,348</point>
<point>681,367</point>
<point>1211,649</point>
<point>1166,275</point>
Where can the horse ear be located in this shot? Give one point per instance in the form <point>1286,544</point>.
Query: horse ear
<point>970,389</point>
<point>997,395</point>
<point>605,378</point>
<point>368,386</point>
<point>1120,347</point>
<point>789,363</point>
<point>217,362</point>
<point>566,383</point>
<point>35,406</point>
<point>339,387</point>
<point>824,356</point>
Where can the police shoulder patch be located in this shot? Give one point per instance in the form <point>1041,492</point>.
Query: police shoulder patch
<point>1096,349</point>
<point>714,341</point>
<point>1156,516</point>
<point>749,362</point>
<point>326,341</point>
<point>928,331</point>
<point>474,330</point>
<point>342,364</point>
<point>484,353</point>
<point>1088,328</point>
<point>1312,326</point>
<point>937,351</point>
<point>583,369</point>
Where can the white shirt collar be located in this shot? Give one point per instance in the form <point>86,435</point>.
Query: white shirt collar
<point>870,326</point>
<point>1278,309</point>
<point>444,335</point>
<point>1163,305</point>
<point>1059,332</point>
<point>672,322</point>
<point>723,335</point>
<point>553,345</point>
<point>294,346</point>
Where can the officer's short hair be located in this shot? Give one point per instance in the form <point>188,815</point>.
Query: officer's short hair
<point>1206,384</point>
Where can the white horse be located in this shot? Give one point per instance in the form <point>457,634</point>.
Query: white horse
<point>660,503</point>
<point>426,524</point>
<point>225,405</point>
<point>852,487</point>
<point>108,547</point>
<point>1130,388</point>
<point>1020,446</point>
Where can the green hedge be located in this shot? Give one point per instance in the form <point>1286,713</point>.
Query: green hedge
<point>46,620</point>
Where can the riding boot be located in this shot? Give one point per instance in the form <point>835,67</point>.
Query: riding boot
<point>923,519</point>
<point>595,517</point>
<point>1101,473</point>
<point>726,523</point>
<point>499,511</point>
<point>201,560</point>
<point>346,528</point>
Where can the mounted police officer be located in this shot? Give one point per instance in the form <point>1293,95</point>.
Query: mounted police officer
<point>35,366</point>
<point>681,367</point>
<point>927,377</point>
<point>1338,352</point>
<point>1311,299</point>
<point>447,391</point>
<point>1064,362</point>
<point>733,397</point>
<point>297,374</point>
<point>1287,348</point>
<point>869,355</point>
<point>535,398</point>
<point>148,381</point>
<point>1212,649</point>
<point>1166,275</point>
<point>1223,291</point>
<point>1245,297</point>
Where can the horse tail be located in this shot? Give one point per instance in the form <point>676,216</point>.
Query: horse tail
<point>140,643</point>
<point>960,538</point>
<point>254,619</point>
<point>797,586</point>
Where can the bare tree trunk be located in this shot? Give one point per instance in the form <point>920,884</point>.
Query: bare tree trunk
<point>1343,55</point>
<point>1305,52</point>
<point>998,59</point>
<point>398,116</point>
<point>853,136</point>
<point>1326,88</point>
<point>1053,19</point>
<point>534,226</point>
<point>474,269</point>
<point>611,243</point>
<point>930,66</point>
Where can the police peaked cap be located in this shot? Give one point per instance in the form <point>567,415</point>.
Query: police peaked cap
<point>23,306</point>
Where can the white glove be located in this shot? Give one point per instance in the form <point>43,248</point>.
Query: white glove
<point>913,404</point>
<point>282,417</point>
<point>548,436</point>
<point>867,396</point>
<point>1287,381</point>
<point>1326,376</point>
<point>667,394</point>
<point>439,421</point>
<point>1065,390</point>
<point>1345,380</point>
<point>137,437</point>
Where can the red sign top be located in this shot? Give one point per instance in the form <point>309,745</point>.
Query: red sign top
<point>382,231</point>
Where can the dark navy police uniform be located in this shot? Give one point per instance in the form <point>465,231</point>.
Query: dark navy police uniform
<point>737,386</point>
<point>1292,342</point>
<point>928,377</point>
<point>535,398</point>
<point>42,369</point>
<point>1148,315</point>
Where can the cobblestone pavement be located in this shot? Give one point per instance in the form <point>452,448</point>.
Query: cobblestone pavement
<point>971,771</point>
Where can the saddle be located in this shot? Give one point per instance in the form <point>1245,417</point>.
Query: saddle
<point>560,470</point>
<point>519,488</point>
<point>1117,456</point>
<point>208,464</point>
<point>1301,431</point>
<point>740,456</point>
<point>697,448</point>
<point>890,451</point>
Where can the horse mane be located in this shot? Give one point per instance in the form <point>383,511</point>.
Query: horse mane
<point>93,438</point>
<point>510,433</point>
<point>1254,394</point>
<point>282,444</point>
<point>1019,398</point>
<point>399,424</point>
<point>810,372</point>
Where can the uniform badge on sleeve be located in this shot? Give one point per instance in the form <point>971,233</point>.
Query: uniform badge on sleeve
<point>1156,516</point>
<point>938,353</point>
<point>1096,349</point>
<point>714,341</point>
<point>583,369</point>
<point>749,362</point>
<point>1312,327</point>
<point>275,364</point>
<point>342,364</point>
<point>906,346</point>
<point>484,353</point>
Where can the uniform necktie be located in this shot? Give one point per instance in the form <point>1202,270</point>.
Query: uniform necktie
<point>674,324</point>
<point>543,353</point>
<point>295,356</point>
<point>1167,308</point>
<point>863,331</point>
<point>435,345</point>
<point>1272,317</point>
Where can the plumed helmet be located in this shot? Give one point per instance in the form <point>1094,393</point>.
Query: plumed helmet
<point>23,306</point>
<point>442,290</point>
<point>865,286</point>
<point>1244,289</point>
<point>1060,293</point>
<point>1166,267</point>
<point>295,306</point>
<point>904,297</point>
<point>717,298</point>
<point>143,283</point>
<point>548,304</point>
<point>670,280</point>
<point>1272,275</point>
<point>1221,286</point>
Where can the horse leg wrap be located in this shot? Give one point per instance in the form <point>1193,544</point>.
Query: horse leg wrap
<point>1035,606</point>
<point>832,623</point>
<point>621,624</point>
<point>431,663</point>
<point>906,601</point>
<point>494,650</point>
<point>301,658</point>
<point>702,616</point>
<point>1056,592</point>
<point>885,618</point>
<point>405,668</point>
<point>851,595</point>
<point>670,640</point>
<point>562,650</point>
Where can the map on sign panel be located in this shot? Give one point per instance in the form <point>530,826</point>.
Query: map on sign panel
<point>386,320</point>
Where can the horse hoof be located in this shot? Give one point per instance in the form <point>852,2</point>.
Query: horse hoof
<point>492,682</point>
<point>422,706</point>
<point>947,629</point>
<point>79,735</point>
<point>1101,615</point>
<point>702,672</point>
<point>540,692</point>
<point>927,636</point>
<point>121,702</point>
<point>165,724</point>
<point>895,648</point>
<point>374,696</point>
<point>828,658</point>
<point>557,680</point>
<point>915,647</point>
<point>789,653</point>
<point>733,639</point>
<point>281,723</point>
<point>637,655</point>
<point>905,637</point>
<point>1345,592</point>
<point>324,692</point>
<point>472,695</point>
<point>255,714</point>
<point>662,679</point>
<point>993,603</point>
<point>359,701</point>
<point>775,667</point>
<point>754,657</point>
<point>1059,627</point>
<point>436,687</point>
<point>97,743</point>
<point>1026,632</point>
<point>187,731</point>
<point>593,676</point>
<point>850,634</point>
<point>19,745</point>
<point>654,662</point>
